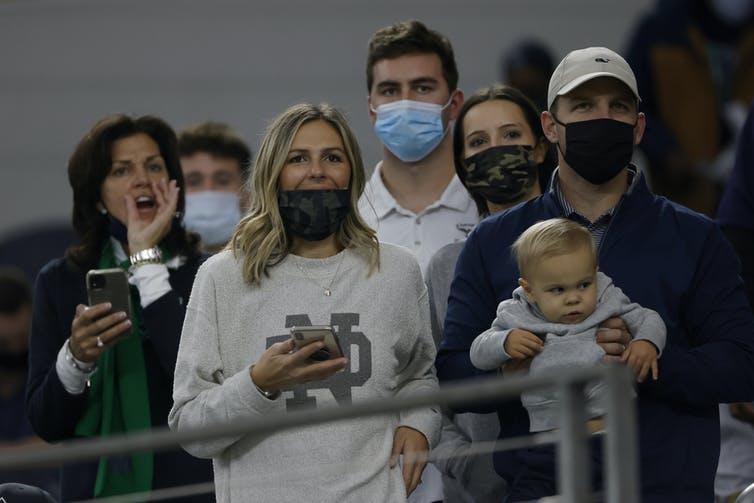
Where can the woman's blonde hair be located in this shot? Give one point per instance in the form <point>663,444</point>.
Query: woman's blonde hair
<point>556,236</point>
<point>260,237</point>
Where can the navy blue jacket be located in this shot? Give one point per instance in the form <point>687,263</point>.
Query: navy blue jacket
<point>54,413</point>
<point>666,258</point>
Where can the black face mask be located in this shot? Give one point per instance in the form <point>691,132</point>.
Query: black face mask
<point>598,149</point>
<point>502,174</point>
<point>14,362</point>
<point>313,214</point>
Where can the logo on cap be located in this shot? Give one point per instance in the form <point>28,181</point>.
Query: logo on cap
<point>602,60</point>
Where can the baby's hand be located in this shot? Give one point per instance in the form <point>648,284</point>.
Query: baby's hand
<point>521,344</point>
<point>641,356</point>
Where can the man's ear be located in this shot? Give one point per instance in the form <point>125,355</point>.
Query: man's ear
<point>456,102</point>
<point>641,126</point>
<point>549,126</point>
<point>372,114</point>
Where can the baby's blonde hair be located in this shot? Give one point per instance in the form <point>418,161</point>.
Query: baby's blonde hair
<point>556,236</point>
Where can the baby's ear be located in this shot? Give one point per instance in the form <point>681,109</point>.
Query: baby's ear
<point>525,285</point>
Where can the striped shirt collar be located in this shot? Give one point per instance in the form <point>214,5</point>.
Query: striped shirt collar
<point>599,227</point>
<point>568,210</point>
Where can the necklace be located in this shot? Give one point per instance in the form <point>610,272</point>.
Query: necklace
<point>328,288</point>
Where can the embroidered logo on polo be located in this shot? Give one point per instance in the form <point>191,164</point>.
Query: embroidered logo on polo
<point>342,383</point>
<point>465,227</point>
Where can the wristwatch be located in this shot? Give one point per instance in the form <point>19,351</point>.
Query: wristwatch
<point>149,256</point>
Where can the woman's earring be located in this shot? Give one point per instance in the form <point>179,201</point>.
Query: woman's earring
<point>102,210</point>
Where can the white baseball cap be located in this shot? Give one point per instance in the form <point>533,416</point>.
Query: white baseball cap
<point>582,65</point>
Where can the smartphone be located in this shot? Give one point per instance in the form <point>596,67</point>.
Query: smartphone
<point>306,335</point>
<point>109,285</point>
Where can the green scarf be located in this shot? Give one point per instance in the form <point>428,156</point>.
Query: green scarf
<point>118,402</point>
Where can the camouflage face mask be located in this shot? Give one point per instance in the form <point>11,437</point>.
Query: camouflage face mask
<point>313,214</point>
<point>501,174</point>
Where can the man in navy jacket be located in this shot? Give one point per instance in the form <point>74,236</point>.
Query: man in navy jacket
<point>662,255</point>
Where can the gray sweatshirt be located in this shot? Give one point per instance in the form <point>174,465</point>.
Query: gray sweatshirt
<point>382,322</point>
<point>566,345</point>
<point>466,478</point>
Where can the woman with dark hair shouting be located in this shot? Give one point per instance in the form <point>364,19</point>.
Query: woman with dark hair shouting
<point>96,371</point>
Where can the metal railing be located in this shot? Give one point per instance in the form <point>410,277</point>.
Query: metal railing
<point>620,469</point>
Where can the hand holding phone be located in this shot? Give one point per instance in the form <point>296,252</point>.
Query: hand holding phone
<point>288,363</point>
<point>106,320</point>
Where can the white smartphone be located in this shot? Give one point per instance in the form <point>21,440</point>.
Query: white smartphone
<point>305,335</point>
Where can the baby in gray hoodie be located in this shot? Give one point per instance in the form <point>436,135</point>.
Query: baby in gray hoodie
<point>554,316</point>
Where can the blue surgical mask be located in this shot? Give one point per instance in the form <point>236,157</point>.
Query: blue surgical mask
<point>213,215</point>
<point>410,129</point>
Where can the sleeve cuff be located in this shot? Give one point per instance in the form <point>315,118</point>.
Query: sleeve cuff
<point>487,350</point>
<point>152,281</point>
<point>72,379</point>
<point>249,396</point>
<point>427,421</point>
<point>504,354</point>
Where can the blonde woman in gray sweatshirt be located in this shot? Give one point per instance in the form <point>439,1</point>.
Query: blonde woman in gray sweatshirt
<point>303,256</point>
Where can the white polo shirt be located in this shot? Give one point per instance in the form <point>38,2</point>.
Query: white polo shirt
<point>447,220</point>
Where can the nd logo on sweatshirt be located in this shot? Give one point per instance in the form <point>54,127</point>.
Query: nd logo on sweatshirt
<point>339,384</point>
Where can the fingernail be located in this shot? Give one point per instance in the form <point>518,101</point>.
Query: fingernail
<point>108,305</point>
<point>128,323</point>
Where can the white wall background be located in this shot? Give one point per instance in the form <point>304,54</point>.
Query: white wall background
<point>64,64</point>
